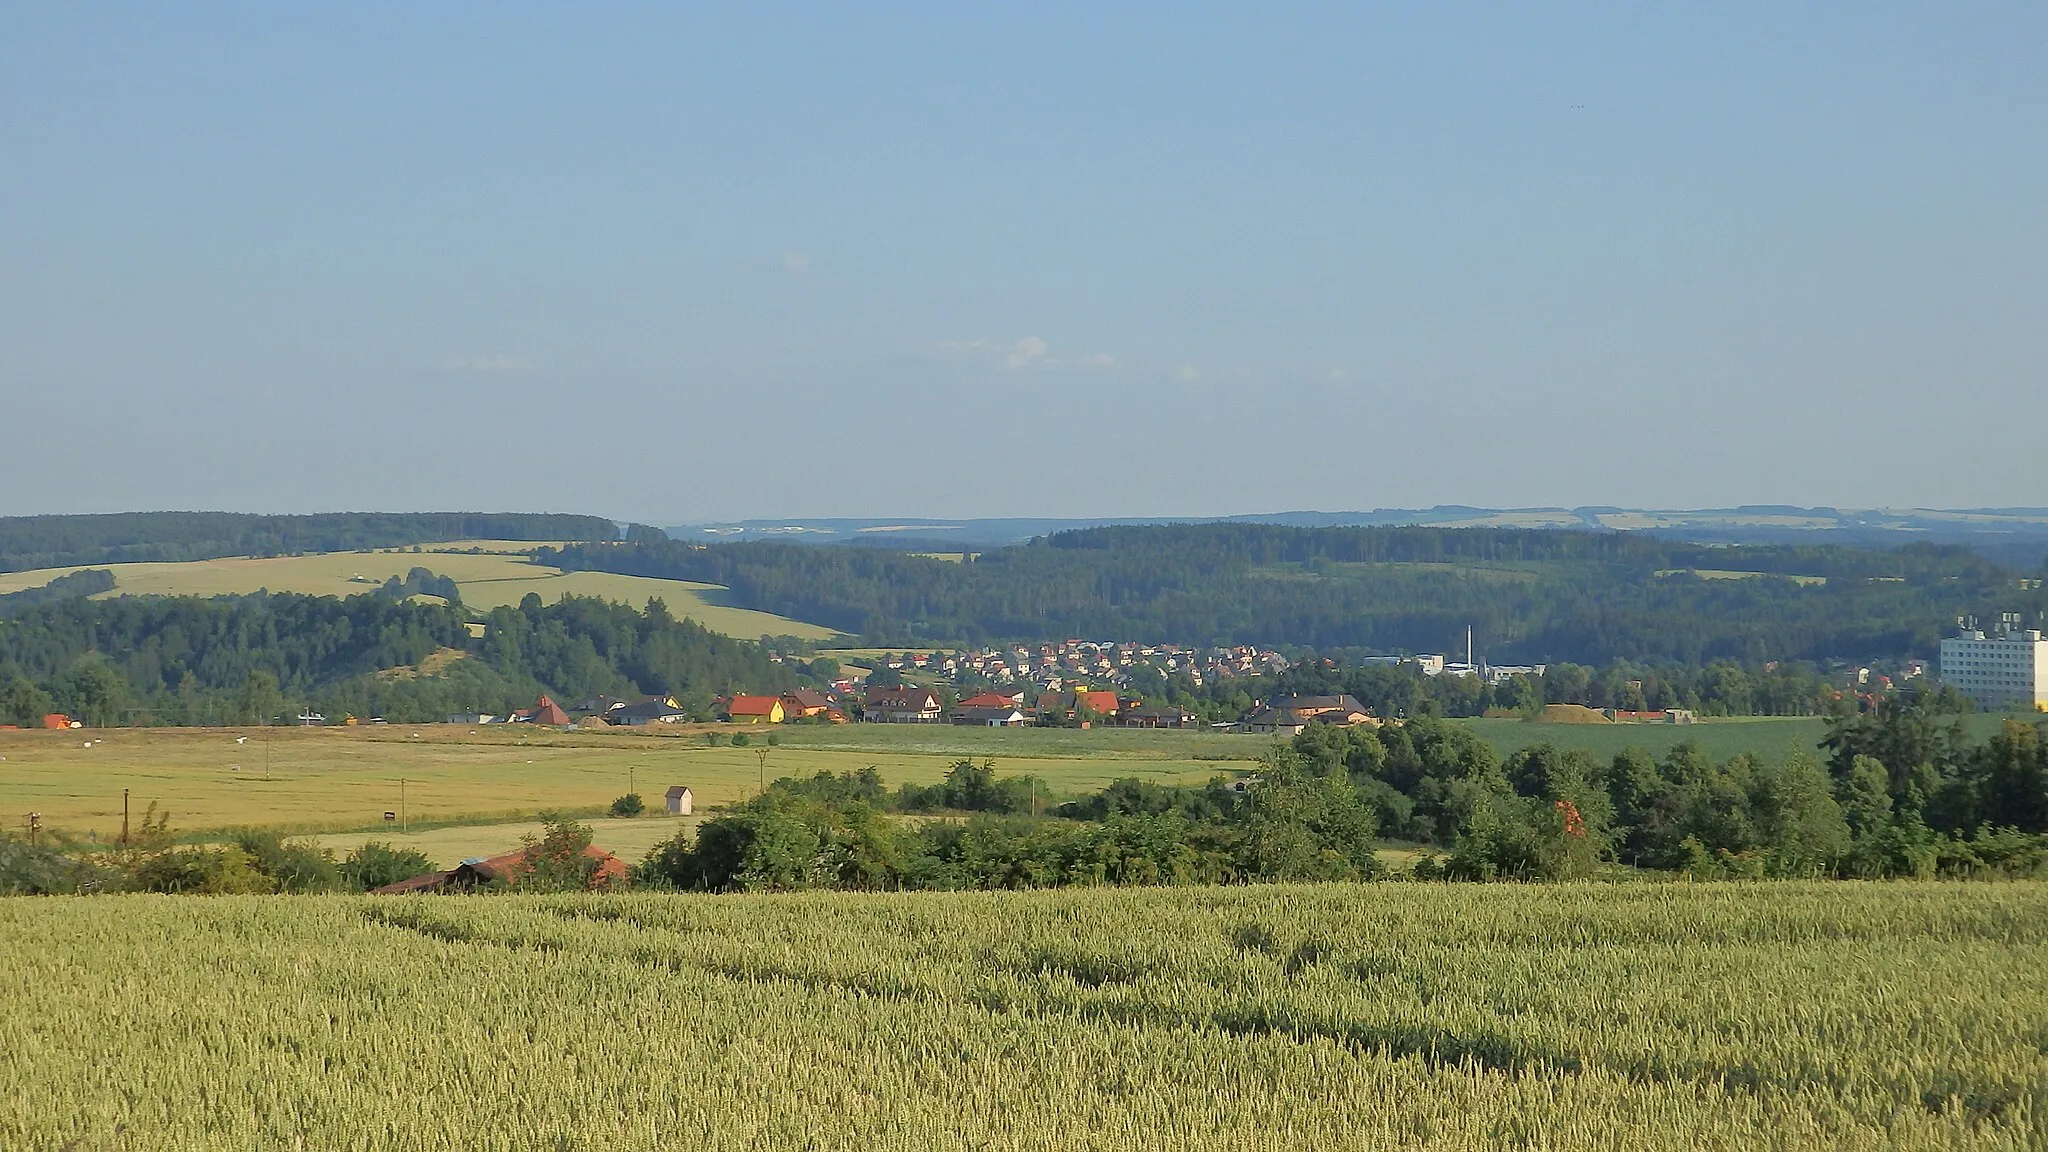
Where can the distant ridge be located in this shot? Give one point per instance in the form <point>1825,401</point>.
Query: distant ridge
<point>30,542</point>
<point>2015,536</point>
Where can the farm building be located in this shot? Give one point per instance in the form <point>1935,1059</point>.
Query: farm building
<point>484,870</point>
<point>680,801</point>
<point>59,720</point>
<point>755,710</point>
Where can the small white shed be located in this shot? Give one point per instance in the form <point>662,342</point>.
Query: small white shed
<point>679,800</point>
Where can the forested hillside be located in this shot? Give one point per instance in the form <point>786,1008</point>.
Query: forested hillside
<point>184,660</point>
<point>1528,595</point>
<point>29,542</point>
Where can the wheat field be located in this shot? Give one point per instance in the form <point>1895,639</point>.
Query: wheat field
<point>498,575</point>
<point>1649,1016</point>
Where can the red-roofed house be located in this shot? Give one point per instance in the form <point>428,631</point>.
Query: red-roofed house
<point>803,704</point>
<point>992,700</point>
<point>1067,706</point>
<point>546,711</point>
<point>755,710</point>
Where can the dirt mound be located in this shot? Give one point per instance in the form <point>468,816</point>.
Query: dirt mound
<point>1570,714</point>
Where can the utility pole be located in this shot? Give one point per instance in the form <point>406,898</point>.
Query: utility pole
<point>35,828</point>
<point>761,758</point>
<point>266,751</point>
<point>404,824</point>
<point>629,779</point>
<point>124,817</point>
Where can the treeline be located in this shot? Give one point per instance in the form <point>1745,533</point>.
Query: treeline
<point>421,582</point>
<point>255,861</point>
<point>1529,596</point>
<point>88,582</point>
<point>254,659</point>
<point>30,542</point>
<point>839,832</point>
<point>1899,794</point>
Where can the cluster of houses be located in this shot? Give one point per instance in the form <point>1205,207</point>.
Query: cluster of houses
<point>1050,667</point>
<point>1003,707</point>
<point>610,712</point>
<point>999,707</point>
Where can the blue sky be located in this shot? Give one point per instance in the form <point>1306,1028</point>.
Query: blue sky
<point>676,263</point>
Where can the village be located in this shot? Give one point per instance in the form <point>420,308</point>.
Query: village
<point>1068,684</point>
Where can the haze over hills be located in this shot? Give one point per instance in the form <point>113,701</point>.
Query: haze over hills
<point>2016,536</point>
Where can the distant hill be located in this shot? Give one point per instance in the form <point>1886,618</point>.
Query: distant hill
<point>29,542</point>
<point>2017,537</point>
<point>1529,595</point>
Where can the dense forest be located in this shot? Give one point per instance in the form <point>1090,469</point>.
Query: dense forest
<point>253,659</point>
<point>1529,596</point>
<point>30,542</point>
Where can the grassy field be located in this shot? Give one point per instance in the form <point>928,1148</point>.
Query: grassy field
<point>1773,737</point>
<point>337,780</point>
<point>344,779</point>
<point>1559,1017</point>
<point>1726,574</point>
<point>630,840</point>
<point>499,576</point>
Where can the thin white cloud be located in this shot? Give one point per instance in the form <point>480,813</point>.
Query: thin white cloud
<point>795,261</point>
<point>1024,354</point>
<point>1187,372</point>
<point>498,362</point>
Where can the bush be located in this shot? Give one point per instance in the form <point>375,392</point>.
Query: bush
<point>201,871</point>
<point>556,862</point>
<point>629,805</point>
<point>376,864</point>
<point>40,870</point>
<point>740,740</point>
<point>291,867</point>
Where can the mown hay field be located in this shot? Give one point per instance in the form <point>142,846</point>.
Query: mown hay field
<point>630,839</point>
<point>1644,1016</point>
<point>341,779</point>
<point>500,575</point>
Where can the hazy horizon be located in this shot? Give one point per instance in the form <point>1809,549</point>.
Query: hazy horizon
<point>684,266</point>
